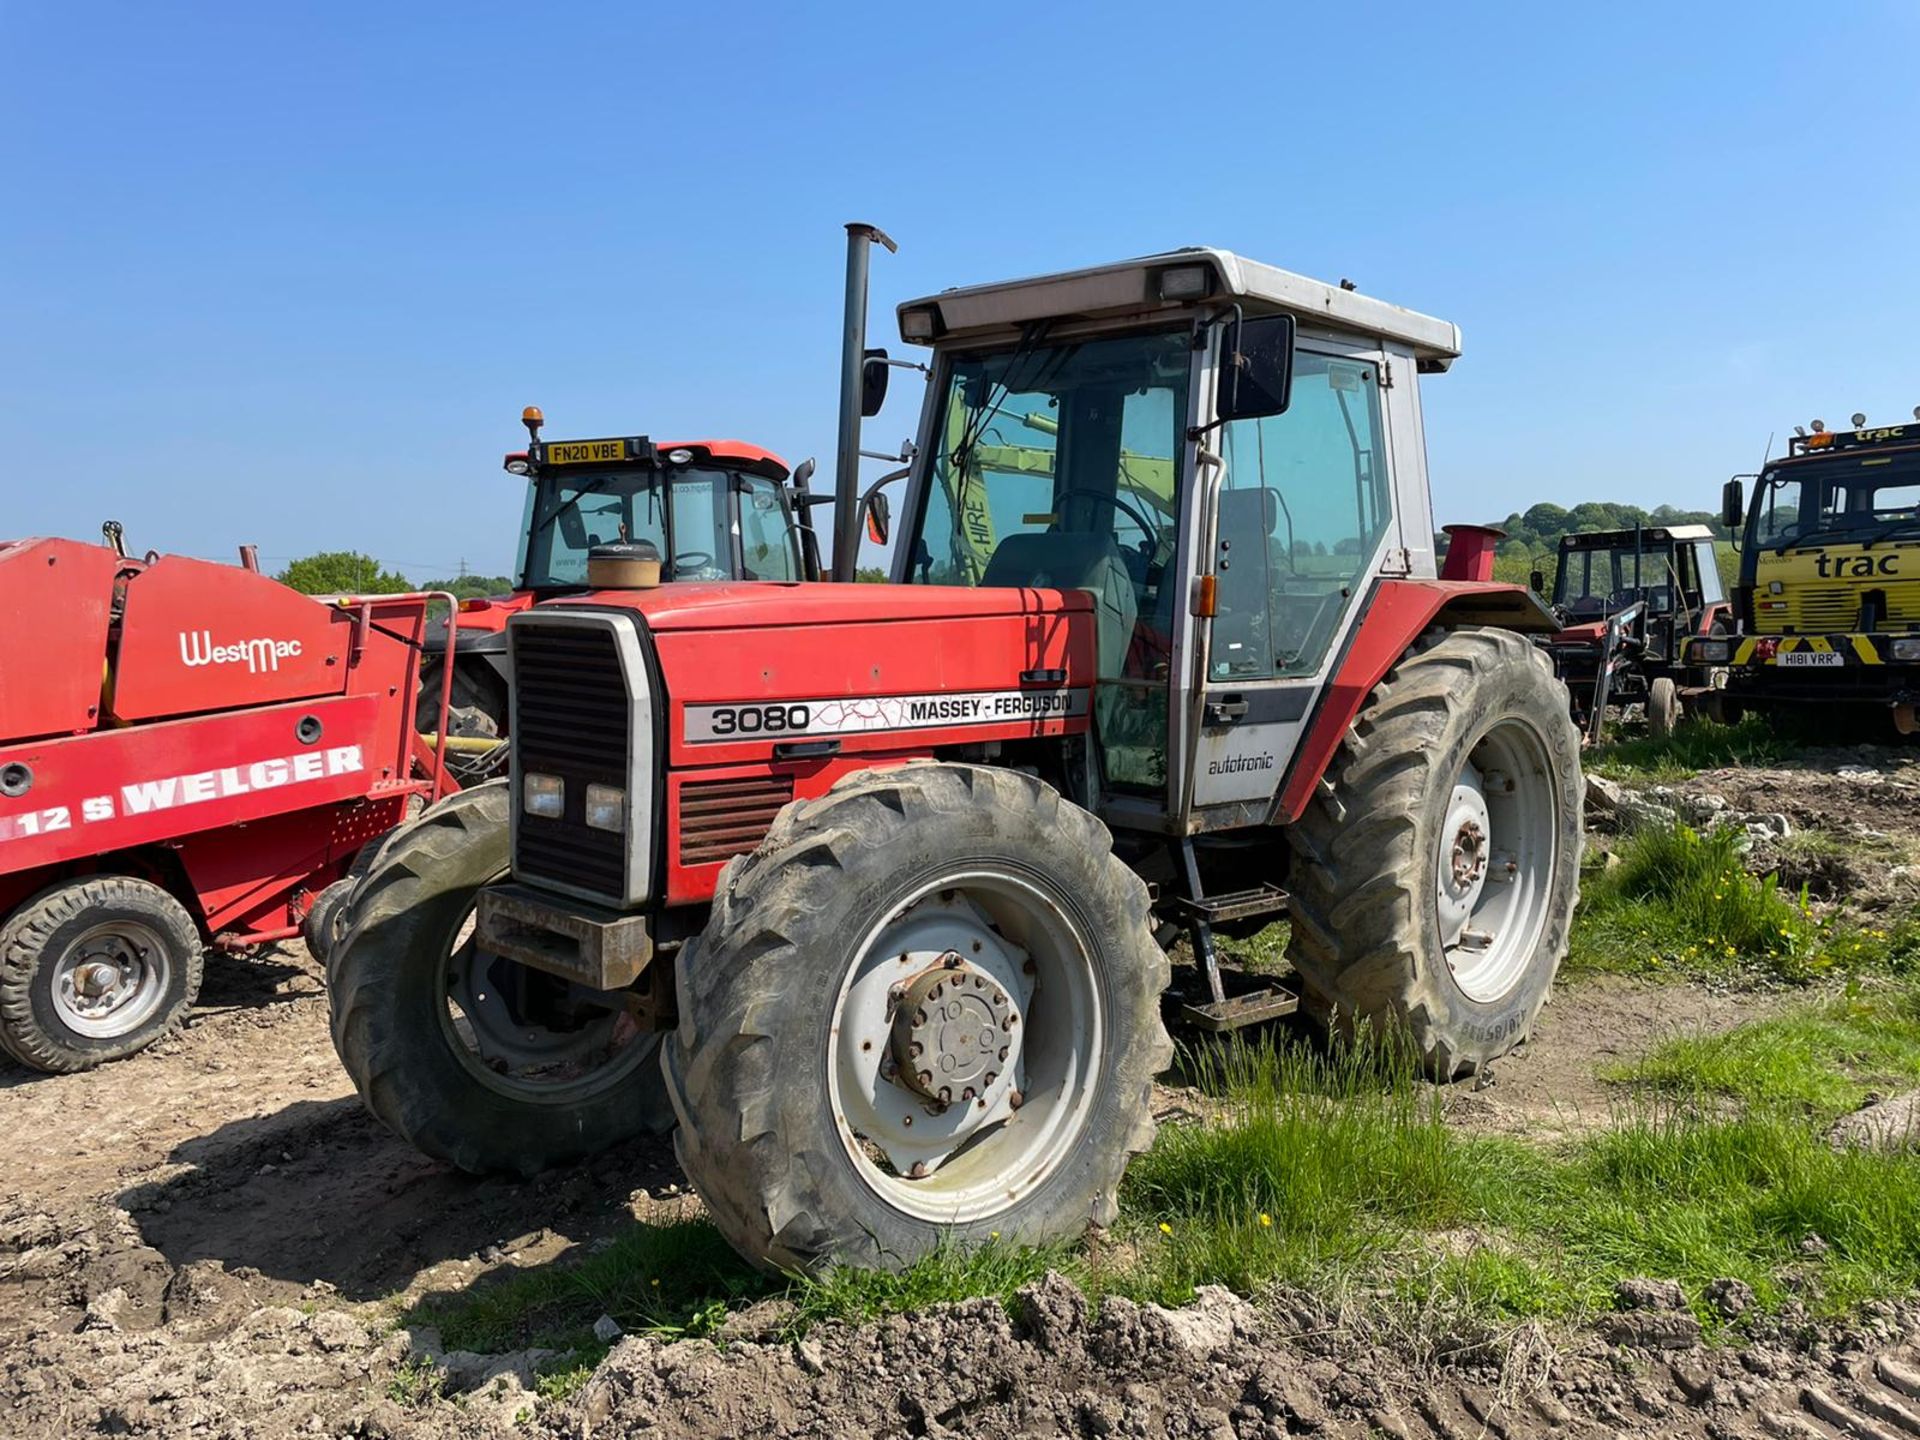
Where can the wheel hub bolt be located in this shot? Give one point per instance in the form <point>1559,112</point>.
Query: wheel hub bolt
<point>1015,1099</point>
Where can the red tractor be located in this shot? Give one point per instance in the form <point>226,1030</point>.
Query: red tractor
<point>714,509</point>
<point>864,886</point>
<point>190,753</point>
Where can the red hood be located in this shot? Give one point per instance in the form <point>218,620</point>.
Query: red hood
<point>764,604</point>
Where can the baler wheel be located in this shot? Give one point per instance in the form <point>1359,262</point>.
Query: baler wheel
<point>467,1056</point>
<point>95,969</point>
<point>926,1009</point>
<point>1437,867</point>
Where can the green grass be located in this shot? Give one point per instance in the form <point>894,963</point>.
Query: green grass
<point>1698,745</point>
<point>1347,1196</point>
<point>673,1279</point>
<point>1821,1060</point>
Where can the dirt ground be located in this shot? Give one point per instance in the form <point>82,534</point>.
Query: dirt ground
<point>204,1240</point>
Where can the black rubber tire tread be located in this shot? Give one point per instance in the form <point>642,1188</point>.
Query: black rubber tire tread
<point>1365,930</point>
<point>30,1030</point>
<point>757,988</point>
<point>1663,707</point>
<point>325,920</point>
<point>386,1009</point>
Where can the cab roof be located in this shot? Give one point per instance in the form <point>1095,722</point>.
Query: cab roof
<point>1135,287</point>
<point>1649,535</point>
<point>738,454</point>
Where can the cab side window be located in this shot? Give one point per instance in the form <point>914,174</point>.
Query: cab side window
<point>1303,506</point>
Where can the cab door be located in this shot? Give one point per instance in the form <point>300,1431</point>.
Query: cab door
<point>1303,522</point>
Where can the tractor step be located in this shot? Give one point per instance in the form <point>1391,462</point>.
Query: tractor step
<point>1236,1013</point>
<point>1236,905</point>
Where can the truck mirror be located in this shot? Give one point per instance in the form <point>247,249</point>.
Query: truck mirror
<point>879,515</point>
<point>1537,582</point>
<point>1733,503</point>
<point>874,374</point>
<point>1256,369</point>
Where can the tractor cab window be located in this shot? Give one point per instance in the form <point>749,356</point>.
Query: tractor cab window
<point>1055,465</point>
<point>1595,583</point>
<point>1303,506</point>
<point>767,538</point>
<point>685,513</point>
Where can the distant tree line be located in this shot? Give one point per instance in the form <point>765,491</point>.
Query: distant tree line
<point>348,572</point>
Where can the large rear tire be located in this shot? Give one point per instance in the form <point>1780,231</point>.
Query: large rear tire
<point>942,944</point>
<point>469,1057</point>
<point>93,970</point>
<point>1438,864</point>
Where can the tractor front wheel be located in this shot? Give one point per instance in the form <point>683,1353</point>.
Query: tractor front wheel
<point>927,1007</point>
<point>1663,707</point>
<point>466,1055</point>
<point>1437,868</point>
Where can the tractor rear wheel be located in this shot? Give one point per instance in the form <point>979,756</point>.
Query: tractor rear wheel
<point>926,1008</point>
<point>1663,707</point>
<point>1439,863</point>
<point>93,970</point>
<point>468,1056</point>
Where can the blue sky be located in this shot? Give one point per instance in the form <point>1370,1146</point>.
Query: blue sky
<point>287,272</point>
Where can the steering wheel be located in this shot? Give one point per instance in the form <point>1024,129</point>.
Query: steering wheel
<point>690,563</point>
<point>1148,530</point>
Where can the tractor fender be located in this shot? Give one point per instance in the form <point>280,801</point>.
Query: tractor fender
<point>1397,613</point>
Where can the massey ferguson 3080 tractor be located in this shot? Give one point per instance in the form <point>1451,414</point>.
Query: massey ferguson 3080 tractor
<point>714,509</point>
<point>189,753</point>
<point>863,885</point>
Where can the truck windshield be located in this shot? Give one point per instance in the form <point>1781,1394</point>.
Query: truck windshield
<point>1845,498</point>
<point>685,513</point>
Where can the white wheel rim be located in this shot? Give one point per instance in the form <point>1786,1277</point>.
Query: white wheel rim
<point>1019,953</point>
<point>112,980</point>
<point>1495,859</point>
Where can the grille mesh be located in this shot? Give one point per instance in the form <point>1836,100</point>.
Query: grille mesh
<point>723,818</point>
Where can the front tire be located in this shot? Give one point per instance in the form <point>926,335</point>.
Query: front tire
<point>469,1057</point>
<point>1663,707</point>
<point>941,944</point>
<point>1438,864</point>
<point>94,970</point>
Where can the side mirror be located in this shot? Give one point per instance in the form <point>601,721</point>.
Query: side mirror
<point>1256,369</point>
<point>874,374</point>
<point>802,473</point>
<point>1537,582</point>
<point>1733,503</point>
<point>879,517</point>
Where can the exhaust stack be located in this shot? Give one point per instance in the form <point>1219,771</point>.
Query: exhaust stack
<point>853,354</point>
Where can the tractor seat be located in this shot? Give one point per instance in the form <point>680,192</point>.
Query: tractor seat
<point>1062,560</point>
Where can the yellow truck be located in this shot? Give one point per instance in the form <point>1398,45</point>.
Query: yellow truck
<point>1828,602</point>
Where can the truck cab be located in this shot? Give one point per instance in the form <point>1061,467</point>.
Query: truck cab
<point>1828,601</point>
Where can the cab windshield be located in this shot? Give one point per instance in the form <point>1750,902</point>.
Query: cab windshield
<point>687,514</point>
<point>1842,499</point>
<point>1594,583</point>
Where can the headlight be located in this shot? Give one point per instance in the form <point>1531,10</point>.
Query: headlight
<point>1907,647</point>
<point>1712,652</point>
<point>544,795</point>
<point>606,807</point>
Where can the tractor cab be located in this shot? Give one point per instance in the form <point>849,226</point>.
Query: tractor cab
<point>714,509</point>
<point>1628,601</point>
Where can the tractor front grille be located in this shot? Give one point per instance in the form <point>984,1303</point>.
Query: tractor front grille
<point>720,819</point>
<point>574,716</point>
